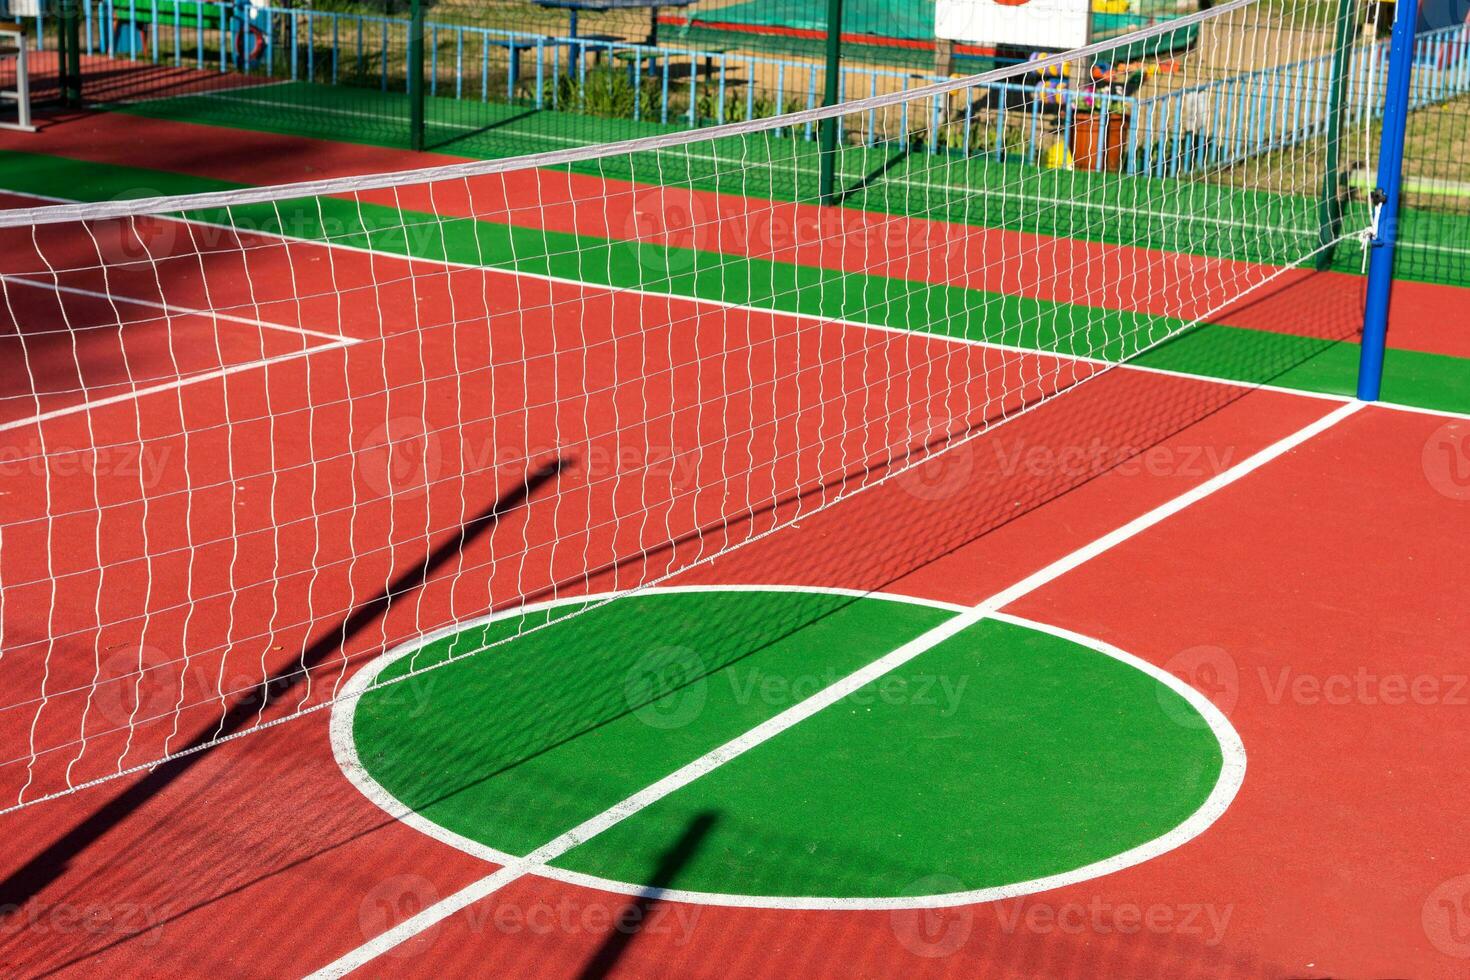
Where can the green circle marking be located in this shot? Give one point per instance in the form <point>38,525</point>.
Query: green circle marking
<point>1001,755</point>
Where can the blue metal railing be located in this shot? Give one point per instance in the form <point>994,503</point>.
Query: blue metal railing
<point>1229,120</point>
<point>664,84</point>
<point>463,61</point>
<point>1214,124</point>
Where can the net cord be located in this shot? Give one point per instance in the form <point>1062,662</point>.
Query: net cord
<point>103,210</point>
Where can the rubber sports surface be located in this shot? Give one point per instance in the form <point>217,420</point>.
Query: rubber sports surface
<point>1031,709</point>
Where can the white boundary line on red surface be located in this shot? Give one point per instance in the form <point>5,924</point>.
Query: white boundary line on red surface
<point>203,93</point>
<point>534,862</point>
<point>335,342</point>
<point>773,312</point>
<point>135,393</point>
<point>170,309</point>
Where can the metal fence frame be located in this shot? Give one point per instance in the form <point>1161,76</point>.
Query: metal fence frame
<point>1214,124</point>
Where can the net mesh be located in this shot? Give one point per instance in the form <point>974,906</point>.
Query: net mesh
<point>254,438</point>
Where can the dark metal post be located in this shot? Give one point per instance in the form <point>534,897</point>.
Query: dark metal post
<point>828,130</point>
<point>416,74</point>
<point>69,53</point>
<point>1330,219</point>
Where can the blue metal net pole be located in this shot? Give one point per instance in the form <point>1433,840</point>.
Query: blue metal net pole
<point>1385,200</point>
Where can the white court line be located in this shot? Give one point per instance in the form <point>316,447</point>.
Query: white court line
<point>189,95</point>
<point>1227,783</point>
<point>736,747</point>
<point>1443,413</point>
<point>170,309</point>
<point>683,153</point>
<point>769,311</point>
<point>960,191</point>
<point>136,393</point>
<point>228,96</point>
<point>776,313</point>
<point>335,342</point>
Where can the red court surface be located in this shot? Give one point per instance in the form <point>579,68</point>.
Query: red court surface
<point>119,79</point>
<point>1315,304</point>
<point>1327,864</point>
<point>238,509</point>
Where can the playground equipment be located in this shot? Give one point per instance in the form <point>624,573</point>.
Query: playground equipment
<point>1090,124</point>
<point>135,25</point>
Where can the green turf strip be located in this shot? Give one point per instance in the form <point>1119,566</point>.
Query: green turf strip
<point>1001,755</point>
<point>1421,380</point>
<point>1159,212</point>
<point>1165,213</point>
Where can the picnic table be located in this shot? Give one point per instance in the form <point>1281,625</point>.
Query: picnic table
<point>575,7</point>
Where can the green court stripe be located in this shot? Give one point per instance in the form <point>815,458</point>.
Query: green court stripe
<point>1183,213</point>
<point>1413,378</point>
<point>82,180</point>
<point>1232,353</point>
<point>1155,212</point>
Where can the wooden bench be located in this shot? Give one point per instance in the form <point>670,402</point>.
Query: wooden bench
<point>514,47</point>
<point>650,57</point>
